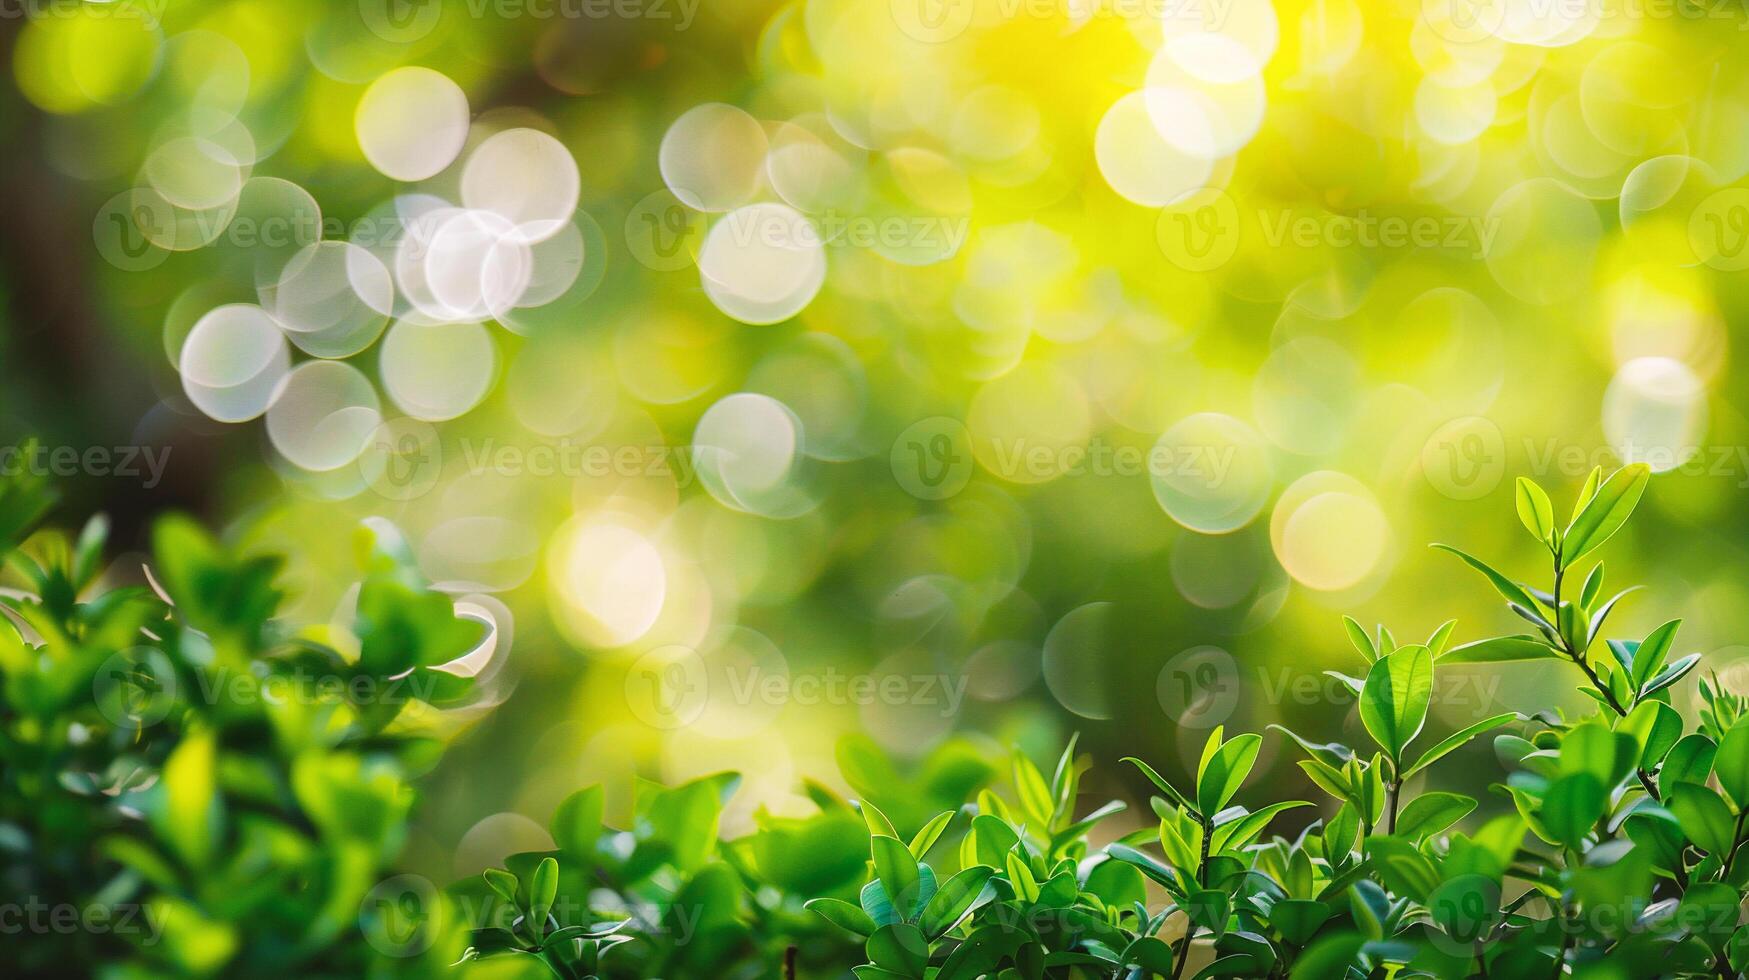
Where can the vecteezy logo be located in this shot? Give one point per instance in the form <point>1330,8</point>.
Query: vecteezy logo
<point>662,233</point>
<point>668,687</point>
<point>396,915</point>
<point>400,21</point>
<point>1465,458</point>
<point>1463,21</point>
<point>1718,230</point>
<point>1199,688</point>
<point>932,459</point>
<point>403,459</point>
<point>1201,232</point>
<point>127,228</point>
<point>933,21</point>
<point>135,688</point>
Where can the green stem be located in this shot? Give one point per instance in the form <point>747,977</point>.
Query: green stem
<point>1578,657</point>
<point>1392,790</point>
<point>1202,866</point>
<point>1736,838</point>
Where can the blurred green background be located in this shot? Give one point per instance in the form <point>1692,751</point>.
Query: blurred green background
<point>905,370</point>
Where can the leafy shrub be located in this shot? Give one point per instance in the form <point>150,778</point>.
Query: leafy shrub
<point>1618,854</point>
<point>250,831</point>
<point>186,785</point>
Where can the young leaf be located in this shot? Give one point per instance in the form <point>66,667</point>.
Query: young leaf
<point>952,900</point>
<point>1034,792</point>
<point>1453,741</point>
<point>1655,727</point>
<point>1593,585</point>
<point>504,883</point>
<point>1649,657</point>
<point>543,890</point>
<point>1499,650</point>
<point>1670,675</point>
<point>1159,781</point>
<point>1225,772</point>
<point>1358,637</point>
<point>897,871</point>
<point>1393,704</point>
<point>1430,813</point>
<point>576,825</point>
<point>1689,761</point>
<point>1601,615</point>
<point>1572,805</point>
<point>1586,492</point>
<point>1604,514</point>
<point>1535,511</point>
<point>1437,642</point>
<point>1239,833</point>
<point>878,824</point>
<point>843,915</point>
<point>1731,763</point>
<point>930,833</point>
<point>1510,590</point>
<point>1704,817</point>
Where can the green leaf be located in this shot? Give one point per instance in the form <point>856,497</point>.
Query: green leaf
<point>1208,907</point>
<point>1572,805</point>
<point>1704,816</point>
<point>1455,740</point>
<point>400,628</point>
<point>576,825</point>
<point>992,839</point>
<point>1298,919</point>
<point>1670,675</point>
<point>1586,492</point>
<point>897,870</point>
<point>1403,868</point>
<point>1441,636</point>
<point>953,899</point>
<point>930,833</point>
<point>543,890</point>
<point>1654,726</point>
<point>1535,511</point>
<point>1144,862</point>
<point>504,883</point>
<point>189,818</point>
<point>1508,589</point>
<point>1465,906</point>
<point>899,949</point>
<point>1328,778</point>
<point>1240,833</point>
<point>1393,704</point>
<point>1593,585</point>
<point>1592,748</point>
<point>1499,650</point>
<point>1225,772</point>
<point>1649,657</point>
<point>843,915</point>
<point>1689,761</point>
<point>1034,792</point>
<point>1358,637</point>
<point>1430,813</point>
<point>878,824</point>
<point>1158,780</point>
<point>1731,763</point>
<point>1328,958</point>
<point>1604,514</point>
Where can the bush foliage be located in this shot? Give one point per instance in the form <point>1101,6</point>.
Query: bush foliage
<point>254,834</point>
<point>1617,855</point>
